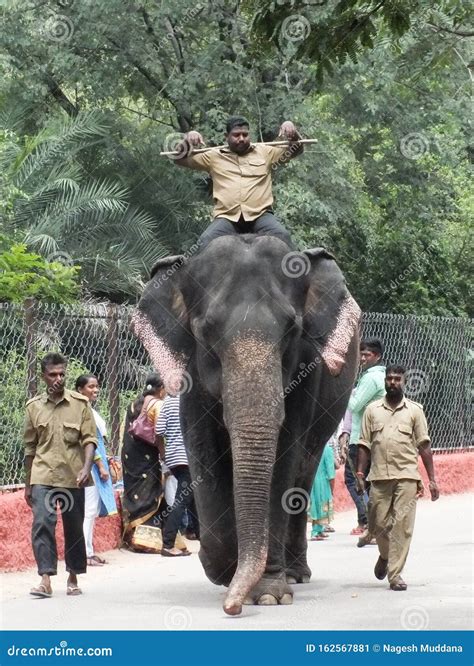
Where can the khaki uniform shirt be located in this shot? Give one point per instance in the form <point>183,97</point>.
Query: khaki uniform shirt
<point>242,184</point>
<point>56,434</point>
<point>393,437</point>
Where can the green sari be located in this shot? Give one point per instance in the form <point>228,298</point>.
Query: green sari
<point>321,510</point>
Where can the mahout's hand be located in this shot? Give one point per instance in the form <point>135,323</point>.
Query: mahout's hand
<point>194,139</point>
<point>289,131</point>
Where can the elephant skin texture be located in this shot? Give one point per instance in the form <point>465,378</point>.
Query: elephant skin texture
<point>262,344</point>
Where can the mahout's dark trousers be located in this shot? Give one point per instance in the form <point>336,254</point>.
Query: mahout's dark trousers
<point>70,501</point>
<point>265,225</point>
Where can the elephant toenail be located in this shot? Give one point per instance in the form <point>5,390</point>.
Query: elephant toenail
<point>267,600</point>
<point>286,600</point>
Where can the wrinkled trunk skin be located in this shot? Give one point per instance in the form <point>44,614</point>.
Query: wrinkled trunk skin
<point>253,414</point>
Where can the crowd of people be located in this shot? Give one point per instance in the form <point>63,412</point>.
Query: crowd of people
<point>67,465</point>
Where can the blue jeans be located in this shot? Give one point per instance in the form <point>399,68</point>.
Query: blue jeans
<point>360,501</point>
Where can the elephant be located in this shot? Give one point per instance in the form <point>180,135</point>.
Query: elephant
<point>265,342</point>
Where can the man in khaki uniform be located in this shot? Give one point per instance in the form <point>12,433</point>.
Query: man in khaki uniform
<point>241,179</point>
<point>394,431</point>
<point>60,440</point>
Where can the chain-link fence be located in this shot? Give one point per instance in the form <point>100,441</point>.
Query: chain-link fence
<point>97,339</point>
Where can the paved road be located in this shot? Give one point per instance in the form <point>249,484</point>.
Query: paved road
<point>136,591</point>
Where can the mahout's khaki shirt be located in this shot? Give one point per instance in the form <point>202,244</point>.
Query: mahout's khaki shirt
<point>393,437</point>
<point>242,184</point>
<point>56,434</point>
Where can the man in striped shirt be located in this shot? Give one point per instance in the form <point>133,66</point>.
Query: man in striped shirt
<point>174,455</point>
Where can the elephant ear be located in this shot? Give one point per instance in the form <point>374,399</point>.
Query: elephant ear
<point>331,316</point>
<point>161,320</point>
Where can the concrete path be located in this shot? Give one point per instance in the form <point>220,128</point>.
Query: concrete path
<point>136,591</point>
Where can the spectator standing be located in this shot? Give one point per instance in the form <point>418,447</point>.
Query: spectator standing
<point>322,510</point>
<point>369,387</point>
<point>394,431</point>
<point>174,455</point>
<point>142,478</point>
<point>60,442</point>
<point>99,498</point>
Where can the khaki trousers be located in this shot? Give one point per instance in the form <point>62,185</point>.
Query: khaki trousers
<point>392,508</point>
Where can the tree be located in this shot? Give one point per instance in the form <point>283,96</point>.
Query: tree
<point>67,216</point>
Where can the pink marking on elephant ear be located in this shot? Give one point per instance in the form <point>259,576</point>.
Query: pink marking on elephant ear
<point>337,345</point>
<point>169,365</point>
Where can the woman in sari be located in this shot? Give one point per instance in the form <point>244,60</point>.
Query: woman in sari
<point>99,498</point>
<point>142,478</point>
<point>321,510</point>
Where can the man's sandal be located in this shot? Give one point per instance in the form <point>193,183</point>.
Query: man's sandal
<point>41,591</point>
<point>398,585</point>
<point>73,590</point>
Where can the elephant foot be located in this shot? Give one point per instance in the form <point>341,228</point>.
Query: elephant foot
<point>298,574</point>
<point>270,591</point>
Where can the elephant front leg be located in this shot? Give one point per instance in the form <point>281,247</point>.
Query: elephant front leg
<point>296,565</point>
<point>296,545</point>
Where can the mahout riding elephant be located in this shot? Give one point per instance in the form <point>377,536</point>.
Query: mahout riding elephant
<point>266,343</point>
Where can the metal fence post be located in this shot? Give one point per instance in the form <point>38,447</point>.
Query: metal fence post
<point>112,374</point>
<point>31,346</point>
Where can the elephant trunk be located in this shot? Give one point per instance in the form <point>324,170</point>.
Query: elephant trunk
<point>253,414</point>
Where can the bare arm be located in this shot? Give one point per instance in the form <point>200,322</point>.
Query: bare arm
<point>427,458</point>
<point>89,451</point>
<point>160,443</point>
<point>28,466</point>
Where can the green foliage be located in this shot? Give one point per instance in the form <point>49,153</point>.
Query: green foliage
<point>383,86</point>
<point>27,275</point>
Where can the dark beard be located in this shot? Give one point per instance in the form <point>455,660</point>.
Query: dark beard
<point>395,393</point>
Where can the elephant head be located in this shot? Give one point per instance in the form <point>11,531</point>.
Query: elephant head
<point>240,311</point>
